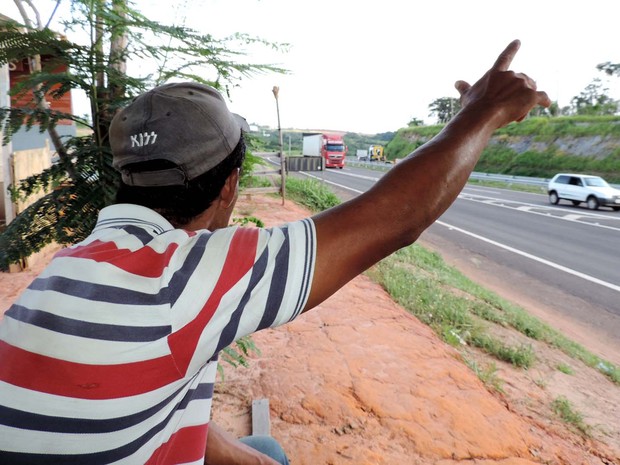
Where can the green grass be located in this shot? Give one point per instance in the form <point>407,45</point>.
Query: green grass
<point>449,302</point>
<point>254,181</point>
<point>487,374</point>
<point>564,409</point>
<point>310,193</point>
<point>566,369</point>
<point>500,159</point>
<point>422,283</point>
<point>542,127</point>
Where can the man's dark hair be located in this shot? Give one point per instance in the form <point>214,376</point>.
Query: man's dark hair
<point>181,204</point>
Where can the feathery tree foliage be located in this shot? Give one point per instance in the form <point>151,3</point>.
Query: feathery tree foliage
<point>113,33</point>
<point>444,108</point>
<point>609,68</point>
<point>593,100</point>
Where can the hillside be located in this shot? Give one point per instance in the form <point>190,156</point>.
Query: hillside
<point>538,147</point>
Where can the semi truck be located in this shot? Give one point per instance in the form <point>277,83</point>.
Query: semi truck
<point>375,153</point>
<point>329,146</point>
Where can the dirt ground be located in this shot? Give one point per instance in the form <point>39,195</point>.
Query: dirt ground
<point>358,380</point>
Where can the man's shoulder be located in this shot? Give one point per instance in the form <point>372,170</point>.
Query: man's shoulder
<point>121,214</point>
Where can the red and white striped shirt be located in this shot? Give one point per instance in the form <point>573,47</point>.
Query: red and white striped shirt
<point>110,355</point>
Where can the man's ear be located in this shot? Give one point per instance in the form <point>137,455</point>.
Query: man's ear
<point>229,191</point>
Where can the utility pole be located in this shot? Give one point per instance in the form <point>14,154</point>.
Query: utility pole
<point>276,91</point>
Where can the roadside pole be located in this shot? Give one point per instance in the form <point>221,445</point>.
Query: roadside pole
<point>6,150</point>
<point>276,91</point>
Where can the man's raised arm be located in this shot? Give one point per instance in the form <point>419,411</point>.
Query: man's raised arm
<point>412,195</point>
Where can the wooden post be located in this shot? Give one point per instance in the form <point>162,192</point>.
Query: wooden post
<point>261,424</point>
<point>276,91</point>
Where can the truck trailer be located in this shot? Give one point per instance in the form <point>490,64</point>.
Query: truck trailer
<point>362,155</point>
<point>329,146</point>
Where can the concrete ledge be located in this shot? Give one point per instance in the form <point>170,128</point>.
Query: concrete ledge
<point>261,424</point>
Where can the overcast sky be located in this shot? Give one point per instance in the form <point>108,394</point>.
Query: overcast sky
<point>372,66</point>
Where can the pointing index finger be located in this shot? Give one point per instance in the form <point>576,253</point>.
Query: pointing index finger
<point>505,58</point>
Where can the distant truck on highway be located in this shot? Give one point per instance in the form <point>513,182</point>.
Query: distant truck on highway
<point>329,146</point>
<point>375,153</point>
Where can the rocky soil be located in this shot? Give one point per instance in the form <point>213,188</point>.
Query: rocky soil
<point>358,380</point>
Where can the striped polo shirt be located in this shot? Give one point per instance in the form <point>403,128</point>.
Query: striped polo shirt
<point>110,355</point>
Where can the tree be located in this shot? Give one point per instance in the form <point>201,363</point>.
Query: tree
<point>84,181</point>
<point>609,68</point>
<point>552,110</point>
<point>415,122</point>
<point>593,100</point>
<point>444,108</point>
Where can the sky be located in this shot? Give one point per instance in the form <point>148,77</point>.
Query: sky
<point>372,66</point>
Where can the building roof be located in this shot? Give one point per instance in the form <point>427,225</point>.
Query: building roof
<point>5,19</point>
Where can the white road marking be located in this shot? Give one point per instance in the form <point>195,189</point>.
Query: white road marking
<point>565,269</point>
<point>353,175</point>
<point>486,190</point>
<point>554,212</point>
<point>330,182</point>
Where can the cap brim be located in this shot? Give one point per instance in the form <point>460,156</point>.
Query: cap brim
<point>243,124</point>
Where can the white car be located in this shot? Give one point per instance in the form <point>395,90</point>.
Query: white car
<point>578,188</point>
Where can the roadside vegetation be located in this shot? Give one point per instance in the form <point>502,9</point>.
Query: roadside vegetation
<point>462,312</point>
<point>310,193</point>
<point>565,410</point>
<point>538,146</point>
<point>502,159</point>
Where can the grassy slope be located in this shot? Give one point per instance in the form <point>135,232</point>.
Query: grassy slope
<point>538,147</point>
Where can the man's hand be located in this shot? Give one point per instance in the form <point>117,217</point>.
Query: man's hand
<point>224,449</point>
<point>512,94</point>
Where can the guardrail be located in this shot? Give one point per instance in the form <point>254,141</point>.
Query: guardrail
<point>510,179</point>
<point>371,165</point>
<point>375,165</point>
<point>305,164</point>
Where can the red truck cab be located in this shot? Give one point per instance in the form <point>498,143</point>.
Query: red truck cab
<point>334,151</point>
